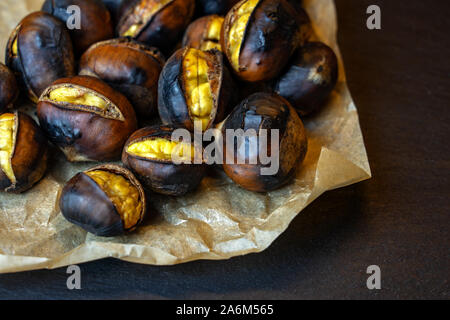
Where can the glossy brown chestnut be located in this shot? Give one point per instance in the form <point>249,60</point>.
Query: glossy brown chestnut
<point>95,21</point>
<point>208,7</point>
<point>86,118</point>
<point>40,51</point>
<point>148,153</point>
<point>23,152</point>
<point>270,112</point>
<point>204,33</point>
<point>106,200</point>
<point>158,23</point>
<point>259,36</point>
<point>308,82</point>
<point>129,67</point>
<point>194,86</point>
<point>9,91</point>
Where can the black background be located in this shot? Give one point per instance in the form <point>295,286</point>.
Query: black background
<point>399,220</point>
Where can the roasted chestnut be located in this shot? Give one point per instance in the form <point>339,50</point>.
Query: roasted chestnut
<point>204,33</point>
<point>40,51</point>
<point>297,4</point>
<point>129,67</point>
<point>106,200</point>
<point>149,154</point>
<point>158,23</point>
<point>114,8</point>
<point>220,7</point>
<point>86,118</point>
<point>194,86</point>
<point>95,22</point>
<point>260,160</point>
<point>9,91</point>
<point>23,152</point>
<point>259,37</point>
<point>308,82</point>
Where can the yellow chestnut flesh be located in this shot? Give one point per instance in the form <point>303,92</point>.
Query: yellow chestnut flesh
<point>146,9</point>
<point>15,50</point>
<point>198,89</point>
<point>77,96</point>
<point>161,149</point>
<point>7,142</point>
<point>237,30</point>
<point>213,35</point>
<point>122,193</point>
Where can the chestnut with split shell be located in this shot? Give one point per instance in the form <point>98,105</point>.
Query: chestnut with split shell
<point>149,154</point>
<point>86,118</point>
<point>9,90</point>
<point>194,86</point>
<point>23,152</point>
<point>204,33</point>
<point>129,67</point>
<point>264,111</point>
<point>106,200</point>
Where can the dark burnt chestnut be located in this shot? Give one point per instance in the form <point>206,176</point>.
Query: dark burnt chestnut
<point>158,23</point>
<point>114,8</point>
<point>23,152</point>
<point>204,33</point>
<point>194,86</point>
<point>40,51</point>
<point>148,153</point>
<point>9,91</point>
<point>308,82</point>
<point>270,112</point>
<point>86,118</point>
<point>95,21</point>
<point>259,37</point>
<point>106,200</point>
<point>220,7</point>
<point>129,67</point>
<point>297,4</point>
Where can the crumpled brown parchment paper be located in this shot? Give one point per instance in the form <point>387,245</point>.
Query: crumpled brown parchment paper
<point>218,221</point>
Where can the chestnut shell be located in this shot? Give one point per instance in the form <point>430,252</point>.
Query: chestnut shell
<point>45,52</point>
<point>172,106</point>
<point>195,34</point>
<point>220,7</point>
<point>9,90</point>
<point>265,111</point>
<point>87,136</point>
<point>161,176</point>
<point>129,67</point>
<point>274,31</point>
<point>86,205</point>
<point>95,21</point>
<point>29,160</point>
<point>308,82</point>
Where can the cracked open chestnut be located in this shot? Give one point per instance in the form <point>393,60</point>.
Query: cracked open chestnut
<point>9,91</point>
<point>23,152</point>
<point>260,160</point>
<point>220,7</point>
<point>149,154</point>
<point>158,23</point>
<point>40,51</point>
<point>194,86</point>
<point>86,118</point>
<point>129,67</point>
<point>308,82</point>
<point>259,36</point>
<point>106,200</point>
<point>95,21</point>
<point>204,33</point>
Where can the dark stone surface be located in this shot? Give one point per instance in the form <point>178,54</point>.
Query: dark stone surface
<point>399,220</point>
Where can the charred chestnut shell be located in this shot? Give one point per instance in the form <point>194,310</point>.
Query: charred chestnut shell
<point>220,7</point>
<point>270,112</point>
<point>95,21</point>
<point>86,118</point>
<point>23,152</point>
<point>106,200</point>
<point>148,154</point>
<point>40,51</point>
<point>158,23</point>
<point>194,85</point>
<point>204,33</point>
<point>308,82</point>
<point>259,37</point>
<point>129,67</point>
<point>9,91</point>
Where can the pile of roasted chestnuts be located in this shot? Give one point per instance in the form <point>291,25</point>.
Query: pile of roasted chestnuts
<point>120,83</point>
